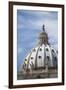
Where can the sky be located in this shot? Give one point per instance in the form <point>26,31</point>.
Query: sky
<point>29,25</point>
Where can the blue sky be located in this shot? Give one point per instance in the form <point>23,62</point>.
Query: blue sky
<point>29,25</point>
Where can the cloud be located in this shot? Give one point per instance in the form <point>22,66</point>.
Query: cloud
<point>29,18</point>
<point>19,50</point>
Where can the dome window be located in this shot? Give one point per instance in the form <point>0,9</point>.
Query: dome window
<point>39,56</point>
<point>47,57</point>
<point>40,49</point>
<point>46,49</point>
<point>31,57</point>
<point>34,49</point>
<point>55,58</point>
<point>25,59</point>
<point>52,50</point>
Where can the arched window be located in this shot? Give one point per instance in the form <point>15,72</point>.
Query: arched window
<point>40,49</point>
<point>25,59</point>
<point>31,57</point>
<point>39,57</point>
<point>52,50</point>
<point>48,61</point>
<point>46,49</point>
<point>57,51</point>
<point>55,61</point>
<point>34,49</point>
<point>48,57</point>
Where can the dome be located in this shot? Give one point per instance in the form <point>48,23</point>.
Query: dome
<point>42,56</point>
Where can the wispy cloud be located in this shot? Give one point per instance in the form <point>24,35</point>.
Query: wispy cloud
<point>19,50</point>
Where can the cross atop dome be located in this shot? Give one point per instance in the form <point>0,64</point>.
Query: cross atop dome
<point>43,27</point>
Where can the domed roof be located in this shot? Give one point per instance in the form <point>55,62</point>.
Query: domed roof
<point>42,55</point>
